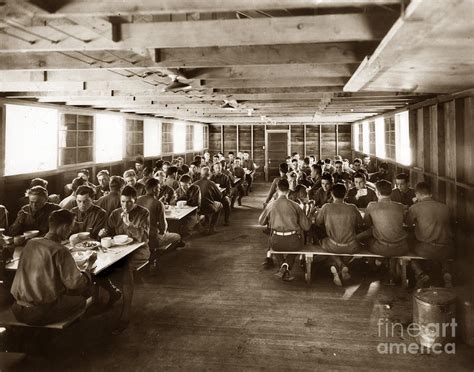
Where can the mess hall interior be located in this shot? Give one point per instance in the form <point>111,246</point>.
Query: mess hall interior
<point>236,185</point>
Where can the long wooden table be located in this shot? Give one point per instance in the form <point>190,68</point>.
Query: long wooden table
<point>105,258</point>
<point>177,214</point>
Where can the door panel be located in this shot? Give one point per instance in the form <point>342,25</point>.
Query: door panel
<point>277,151</point>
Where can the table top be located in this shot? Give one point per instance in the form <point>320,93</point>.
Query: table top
<point>179,213</point>
<point>104,260</point>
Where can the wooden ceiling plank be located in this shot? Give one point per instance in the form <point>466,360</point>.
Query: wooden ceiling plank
<point>283,30</point>
<point>152,7</point>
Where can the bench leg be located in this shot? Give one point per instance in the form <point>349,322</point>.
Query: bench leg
<point>307,275</point>
<point>403,272</point>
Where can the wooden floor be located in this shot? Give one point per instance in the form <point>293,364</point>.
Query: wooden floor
<point>212,307</point>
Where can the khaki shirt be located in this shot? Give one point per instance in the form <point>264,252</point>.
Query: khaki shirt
<point>139,228</point>
<point>386,217</point>
<point>340,220</point>
<point>284,215</point>
<point>46,271</point>
<point>93,220</point>
<point>432,221</point>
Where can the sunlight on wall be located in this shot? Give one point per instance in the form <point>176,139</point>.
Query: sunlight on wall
<point>380,137</point>
<point>179,137</point>
<point>152,137</point>
<point>198,144</point>
<point>365,137</point>
<point>402,138</point>
<point>109,134</point>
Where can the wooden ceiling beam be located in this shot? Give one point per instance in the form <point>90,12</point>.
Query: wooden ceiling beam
<point>274,83</point>
<point>151,7</point>
<point>283,30</point>
<point>297,53</point>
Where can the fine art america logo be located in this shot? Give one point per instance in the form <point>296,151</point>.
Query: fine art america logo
<point>436,338</point>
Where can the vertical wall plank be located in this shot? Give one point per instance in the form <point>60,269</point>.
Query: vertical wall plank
<point>460,140</point>
<point>304,139</point>
<point>469,140</point>
<point>420,153</point>
<point>319,139</point>
<point>450,135</point>
<point>433,139</point>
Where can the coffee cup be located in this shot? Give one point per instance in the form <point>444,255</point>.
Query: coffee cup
<point>181,204</point>
<point>106,242</point>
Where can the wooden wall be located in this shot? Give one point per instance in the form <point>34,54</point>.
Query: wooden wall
<point>442,141</point>
<point>322,141</point>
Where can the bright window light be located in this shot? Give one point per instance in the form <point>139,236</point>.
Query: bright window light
<point>365,137</point>
<point>31,139</point>
<point>179,138</point>
<point>355,137</point>
<point>109,136</point>
<point>198,144</point>
<point>152,137</point>
<point>402,138</point>
<point>380,137</point>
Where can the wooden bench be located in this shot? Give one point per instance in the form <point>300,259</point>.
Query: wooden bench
<point>8,319</point>
<point>311,251</point>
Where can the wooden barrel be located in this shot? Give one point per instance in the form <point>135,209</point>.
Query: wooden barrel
<point>434,311</point>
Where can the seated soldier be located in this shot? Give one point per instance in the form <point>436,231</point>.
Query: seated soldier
<point>385,218</point>
<point>48,286</point>
<point>139,166</point>
<point>147,174</point>
<point>403,193</point>
<point>306,168</point>
<point>323,194</point>
<point>287,222</point>
<point>171,177</point>
<point>52,198</point>
<point>340,175</point>
<point>3,218</point>
<point>159,236</point>
<point>341,220</point>
<point>238,189</point>
<point>433,233</point>
<point>328,167</point>
<point>111,201</point>
<point>132,220</point>
<point>130,178</point>
<point>283,169</point>
<point>211,199</point>
<point>357,168</point>
<point>206,159</point>
<point>369,165</point>
<point>360,194</point>
<point>224,182</point>
<point>69,202</point>
<point>166,165</point>
<point>103,179</point>
<point>84,173</point>
<point>34,216</point>
<point>167,194</point>
<point>195,171</point>
<point>158,167</point>
<point>191,194</point>
<point>316,174</point>
<point>382,174</point>
<point>295,164</point>
<point>346,166</point>
<point>179,165</point>
<point>183,170</point>
<point>249,167</point>
<point>87,216</point>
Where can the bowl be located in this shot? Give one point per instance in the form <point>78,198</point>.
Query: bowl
<point>84,235</point>
<point>19,240</point>
<point>81,257</point>
<point>181,204</point>
<point>106,242</point>
<point>120,239</point>
<point>31,234</point>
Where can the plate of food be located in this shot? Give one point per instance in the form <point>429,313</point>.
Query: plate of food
<point>87,245</point>
<point>121,240</point>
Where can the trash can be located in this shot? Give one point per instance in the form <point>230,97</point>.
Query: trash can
<point>434,313</point>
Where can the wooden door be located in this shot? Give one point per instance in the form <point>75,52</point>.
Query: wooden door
<point>276,152</point>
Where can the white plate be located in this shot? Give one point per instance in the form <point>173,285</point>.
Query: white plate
<point>128,241</point>
<point>80,246</point>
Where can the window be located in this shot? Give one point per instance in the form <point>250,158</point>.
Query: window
<point>380,137</point>
<point>179,138</point>
<point>167,144</point>
<point>402,138</point>
<point>152,137</point>
<point>206,137</point>
<point>372,145</point>
<point>76,139</point>
<point>134,138</point>
<point>355,137</point>
<point>31,139</point>
<point>189,137</point>
<point>390,138</point>
<point>365,137</point>
<point>198,144</point>
<point>109,138</point>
